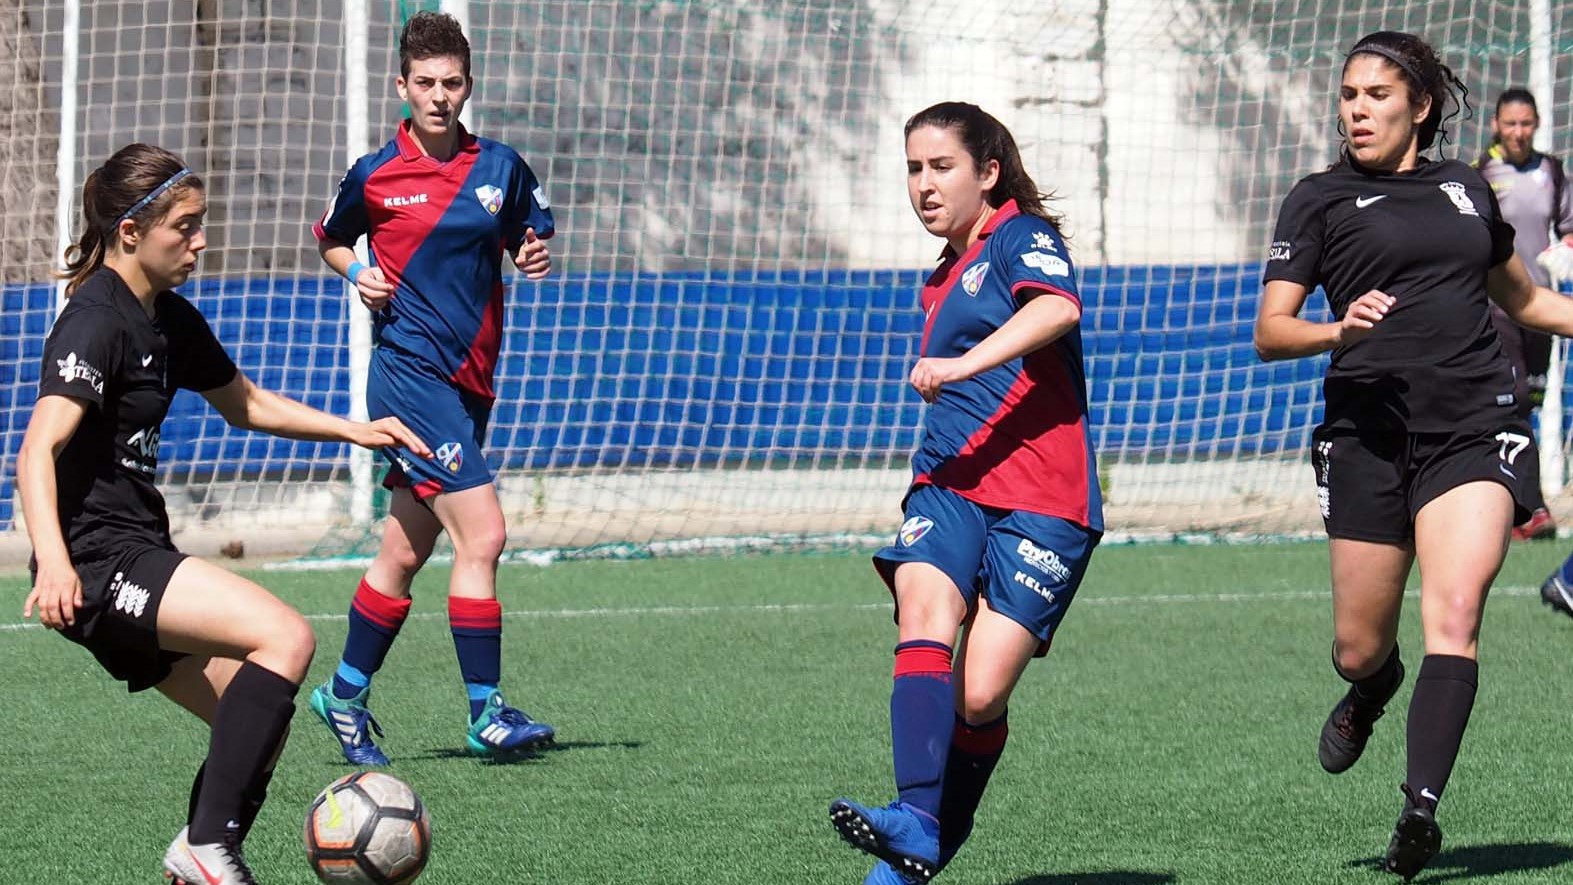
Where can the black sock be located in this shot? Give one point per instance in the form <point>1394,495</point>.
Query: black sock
<point>1438,713</point>
<point>251,719</point>
<point>196,790</point>
<point>974,751</point>
<point>1378,687</point>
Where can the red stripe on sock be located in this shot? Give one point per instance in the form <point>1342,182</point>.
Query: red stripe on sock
<point>474,614</point>
<point>922,661</point>
<point>985,740</point>
<point>384,611</point>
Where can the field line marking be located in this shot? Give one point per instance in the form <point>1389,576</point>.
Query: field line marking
<point>790,608</point>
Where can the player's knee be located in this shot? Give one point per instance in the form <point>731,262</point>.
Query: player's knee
<point>1454,623</point>
<point>983,703</point>
<point>404,559</point>
<point>289,647</point>
<point>482,543</point>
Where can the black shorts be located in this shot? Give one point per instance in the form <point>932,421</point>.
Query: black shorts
<point>118,621</point>
<point>1371,485</point>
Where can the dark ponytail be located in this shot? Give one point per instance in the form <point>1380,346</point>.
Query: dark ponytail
<point>985,139</point>
<point>139,182</point>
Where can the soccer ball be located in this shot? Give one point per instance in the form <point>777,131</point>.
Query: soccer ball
<point>367,828</point>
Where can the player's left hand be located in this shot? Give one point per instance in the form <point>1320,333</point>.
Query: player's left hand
<point>533,258</point>
<point>1557,259</point>
<point>390,432</point>
<point>932,373</point>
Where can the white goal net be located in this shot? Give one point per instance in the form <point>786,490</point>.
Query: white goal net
<point>722,350</point>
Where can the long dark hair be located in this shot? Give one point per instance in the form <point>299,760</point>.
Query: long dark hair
<point>986,138</point>
<point>1424,73</point>
<point>112,193</point>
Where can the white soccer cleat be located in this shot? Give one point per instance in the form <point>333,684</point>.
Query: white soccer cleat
<point>217,863</point>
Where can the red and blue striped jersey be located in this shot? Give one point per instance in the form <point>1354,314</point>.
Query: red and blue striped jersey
<point>1016,436</point>
<point>439,231</point>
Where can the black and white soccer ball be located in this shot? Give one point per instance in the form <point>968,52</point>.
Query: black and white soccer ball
<point>367,828</point>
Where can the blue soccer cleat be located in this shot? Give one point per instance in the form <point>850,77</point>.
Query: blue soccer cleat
<point>501,729</point>
<point>350,721</point>
<point>894,834</point>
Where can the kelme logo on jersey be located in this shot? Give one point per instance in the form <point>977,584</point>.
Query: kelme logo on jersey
<point>913,530</point>
<point>450,456</point>
<point>1051,265</point>
<point>490,197</point>
<point>72,369</point>
<point>972,279</point>
<point>1455,192</point>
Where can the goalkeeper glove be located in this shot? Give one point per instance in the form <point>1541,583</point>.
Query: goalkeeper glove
<point>1557,259</point>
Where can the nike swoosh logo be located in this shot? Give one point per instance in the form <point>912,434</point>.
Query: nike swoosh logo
<point>1507,471</point>
<point>1362,202</point>
<point>212,879</point>
<point>147,359</point>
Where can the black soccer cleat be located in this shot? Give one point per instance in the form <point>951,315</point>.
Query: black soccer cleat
<point>1556,593</point>
<point>1416,837</point>
<point>1348,727</point>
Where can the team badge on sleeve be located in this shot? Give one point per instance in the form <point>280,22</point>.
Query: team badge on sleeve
<point>450,456</point>
<point>490,197</point>
<point>972,280</point>
<point>913,530</point>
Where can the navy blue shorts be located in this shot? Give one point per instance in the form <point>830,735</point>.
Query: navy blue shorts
<point>1027,565</point>
<point>449,420</point>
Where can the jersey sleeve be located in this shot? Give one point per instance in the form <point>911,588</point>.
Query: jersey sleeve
<point>1563,211</point>
<point>1296,251</point>
<point>528,207</point>
<point>1035,259</point>
<point>84,348</point>
<point>1501,231</point>
<point>199,361</point>
<point>346,219</point>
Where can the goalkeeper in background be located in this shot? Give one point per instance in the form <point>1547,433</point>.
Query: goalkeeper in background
<point>1004,508</point>
<point>441,207</point>
<point>1531,188</point>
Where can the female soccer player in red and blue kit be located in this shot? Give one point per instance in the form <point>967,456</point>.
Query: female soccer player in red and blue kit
<point>440,207</point>
<point>1004,508</point>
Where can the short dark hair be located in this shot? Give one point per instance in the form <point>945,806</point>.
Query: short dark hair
<point>112,194</point>
<point>1423,72</point>
<point>985,139</point>
<point>1517,95</point>
<point>432,35</point>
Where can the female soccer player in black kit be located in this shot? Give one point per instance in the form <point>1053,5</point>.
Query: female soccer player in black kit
<point>105,571</point>
<point>1418,454</point>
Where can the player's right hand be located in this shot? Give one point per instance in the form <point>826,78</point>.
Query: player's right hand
<point>57,591</point>
<point>1363,315</point>
<point>374,288</point>
<point>390,432</point>
<point>1557,259</point>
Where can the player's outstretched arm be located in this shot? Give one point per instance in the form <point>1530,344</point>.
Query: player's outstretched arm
<point>1510,285</point>
<point>247,406</point>
<point>57,591</point>
<point>1282,335</point>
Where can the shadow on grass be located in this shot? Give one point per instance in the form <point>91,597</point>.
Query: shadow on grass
<point>1112,877</point>
<point>536,754</point>
<point>1470,861</point>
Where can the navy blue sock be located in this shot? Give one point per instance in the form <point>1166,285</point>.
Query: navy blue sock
<point>477,639</point>
<point>375,620</point>
<point>922,716</point>
<point>974,751</point>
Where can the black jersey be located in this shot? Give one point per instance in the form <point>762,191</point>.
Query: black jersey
<point>106,350</point>
<point>1427,237</point>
